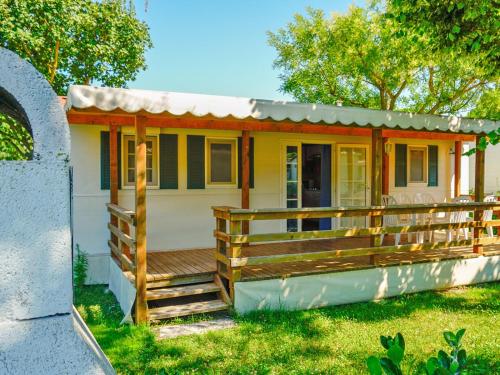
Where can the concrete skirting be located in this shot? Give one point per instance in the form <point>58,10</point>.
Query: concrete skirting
<point>307,292</point>
<point>123,290</point>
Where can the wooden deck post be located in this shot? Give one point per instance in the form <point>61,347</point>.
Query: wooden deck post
<point>385,167</point>
<point>458,167</point>
<point>376,188</point>
<point>235,228</point>
<point>141,307</point>
<point>113,178</point>
<point>479,194</point>
<point>245,175</point>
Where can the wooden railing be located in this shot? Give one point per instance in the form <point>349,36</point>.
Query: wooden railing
<point>231,240</point>
<point>122,242</point>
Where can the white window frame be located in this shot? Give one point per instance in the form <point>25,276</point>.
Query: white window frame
<point>425,163</point>
<point>156,161</point>
<point>234,161</point>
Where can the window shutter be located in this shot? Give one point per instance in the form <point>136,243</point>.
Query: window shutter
<point>240,162</point>
<point>433,165</point>
<point>401,168</point>
<point>105,159</point>
<point>195,162</point>
<point>168,161</point>
<point>105,171</point>
<point>119,150</point>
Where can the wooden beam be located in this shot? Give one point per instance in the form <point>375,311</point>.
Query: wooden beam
<point>376,182</point>
<point>141,307</point>
<point>245,175</point>
<point>479,194</point>
<point>120,118</point>
<point>113,164</point>
<point>385,167</point>
<point>458,167</point>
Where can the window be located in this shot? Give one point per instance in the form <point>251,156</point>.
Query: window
<point>221,162</point>
<point>417,164</point>
<point>129,160</point>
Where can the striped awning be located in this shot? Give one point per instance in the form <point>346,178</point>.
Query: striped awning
<point>178,104</point>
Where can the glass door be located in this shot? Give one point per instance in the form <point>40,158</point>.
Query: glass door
<point>292,179</point>
<point>352,181</point>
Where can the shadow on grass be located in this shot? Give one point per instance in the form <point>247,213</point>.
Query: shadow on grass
<point>289,337</point>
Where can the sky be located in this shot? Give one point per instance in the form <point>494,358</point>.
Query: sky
<point>218,46</point>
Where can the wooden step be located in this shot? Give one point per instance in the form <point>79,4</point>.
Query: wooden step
<point>167,312</point>
<point>182,280</point>
<point>180,291</point>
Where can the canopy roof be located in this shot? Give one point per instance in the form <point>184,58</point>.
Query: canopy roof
<point>133,101</point>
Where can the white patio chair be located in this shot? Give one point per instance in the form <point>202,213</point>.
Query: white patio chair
<point>458,217</point>
<point>424,218</point>
<point>405,219</point>
<point>391,220</point>
<point>488,214</point>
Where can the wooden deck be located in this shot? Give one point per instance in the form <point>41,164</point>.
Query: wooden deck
<point>175,264</point>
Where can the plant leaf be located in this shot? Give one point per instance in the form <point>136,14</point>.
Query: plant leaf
<point>389,367</point>
<point>459,335</point>
<point>400,340</point>
<point>395,353</point>
<point>374,366</point>
<point>462,357</point>
<point>450,338</point>
<point>431,365</point>
<point>384,341</point>
<point>443,359</point>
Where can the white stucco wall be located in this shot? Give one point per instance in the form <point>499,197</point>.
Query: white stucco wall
<point>308,292</point>
<point>38,331</point>
<point>180,219</point>
<point>491,168</point>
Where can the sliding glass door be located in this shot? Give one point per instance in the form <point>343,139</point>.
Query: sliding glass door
<point>352,181</point>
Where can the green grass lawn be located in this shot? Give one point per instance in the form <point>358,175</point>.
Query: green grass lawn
<point>334,340</point>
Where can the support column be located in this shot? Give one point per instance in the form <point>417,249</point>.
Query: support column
<point>376,188</point>
<point>113,179</point>
<point>141,307</point>
<point>245,175</point>
<point>385,167</point>
<point>458,167</point>
<point>478,194</point>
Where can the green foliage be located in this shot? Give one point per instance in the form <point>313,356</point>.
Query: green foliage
<point>444,364</point>
<point>80,267</point>
<point>464,27</point>
<point>332,340</point>
<point>16,142</point>
<point>70,42</point>
<point>356,58</point>
<point>76,41</point>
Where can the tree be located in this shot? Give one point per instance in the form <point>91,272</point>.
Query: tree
<point>356,58</point>
<point>74,42</point>
<point>464,28</point>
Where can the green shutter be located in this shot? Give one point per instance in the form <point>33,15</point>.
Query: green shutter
<point>195,162</point>
<point>433,165</point>
<point>105,167</point>
<point>401,167</point>
<point>105,170</point>
<point>240,162</point>
<point>119,150</point>
<point>168,161</point>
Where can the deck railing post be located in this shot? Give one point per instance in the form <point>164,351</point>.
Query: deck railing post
<point>221,247</point>
<point>235,228</point>
<point>141,306</point>
<point>377,186</point>
<point>479,196</point>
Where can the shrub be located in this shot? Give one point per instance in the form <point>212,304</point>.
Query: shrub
<point>444,364</point>
<point>80,267</point>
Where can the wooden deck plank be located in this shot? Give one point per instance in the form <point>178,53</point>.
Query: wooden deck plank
<point>163,265</point>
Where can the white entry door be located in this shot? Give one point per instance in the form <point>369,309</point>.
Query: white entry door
<point>352,181</point>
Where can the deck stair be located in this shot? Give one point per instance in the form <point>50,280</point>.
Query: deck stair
<point>189,298</point>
